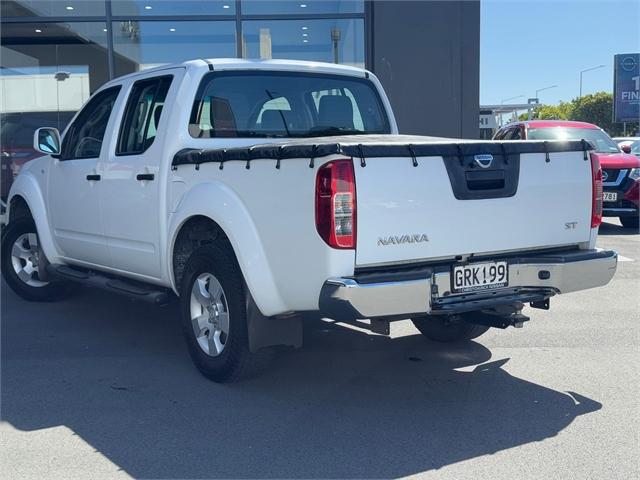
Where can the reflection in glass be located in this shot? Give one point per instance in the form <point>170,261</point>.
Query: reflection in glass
<point>48,70</point>
<point>333,41</point>
<point>142,45</point>
<point>48,140</point>
<point>51,8</point>
<point>301,7</point>
<point>173,7</point>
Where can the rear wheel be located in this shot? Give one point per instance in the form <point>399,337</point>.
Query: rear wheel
<point>630,222</point>
<point>214,315</point>
<point>448,328</point>
<point>22,262</point>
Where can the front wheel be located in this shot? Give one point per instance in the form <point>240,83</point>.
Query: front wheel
<point>630,222</point>
<point>22,262</point>
<point>214,315</point>
<point>443,328</point>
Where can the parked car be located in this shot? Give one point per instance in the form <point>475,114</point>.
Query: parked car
<point>620,171</point>
<point>625,143</point>
<point>255,190</point>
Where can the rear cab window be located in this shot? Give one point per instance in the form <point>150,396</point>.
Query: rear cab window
<point>286,104</point>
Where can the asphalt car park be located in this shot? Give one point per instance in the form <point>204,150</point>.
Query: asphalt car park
<point>101,387</point>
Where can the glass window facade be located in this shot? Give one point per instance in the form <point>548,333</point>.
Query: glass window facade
<point>330,40</point>
<point>51,67</point>
<point>55,53</point>
<point>51,8</point>
<point>140,45</point>
<point>302,7</point>
<point>173,7</point>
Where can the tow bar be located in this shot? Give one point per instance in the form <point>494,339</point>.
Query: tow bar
<point>499,317</point>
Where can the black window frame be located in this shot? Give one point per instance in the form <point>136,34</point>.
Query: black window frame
<point>129,107</point>
<point>211,76</point>
<point>516,134</point>
<point>65,148</point>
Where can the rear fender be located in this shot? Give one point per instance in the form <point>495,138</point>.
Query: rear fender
<point>218,202</point>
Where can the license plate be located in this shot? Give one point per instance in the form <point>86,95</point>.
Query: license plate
<point>479,276</point>
<point>610,196</point>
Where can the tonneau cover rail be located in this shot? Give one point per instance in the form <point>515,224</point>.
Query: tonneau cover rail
<point>370,146</point>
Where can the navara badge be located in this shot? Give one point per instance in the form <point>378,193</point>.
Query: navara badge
<point>401,239</point>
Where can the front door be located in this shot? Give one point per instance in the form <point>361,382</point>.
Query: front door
<point>75,183</point>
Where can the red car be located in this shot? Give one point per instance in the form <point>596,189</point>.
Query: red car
<point>620,171</point>
<point>16,141</point>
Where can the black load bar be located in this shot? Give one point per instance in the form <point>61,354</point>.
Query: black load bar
<point>371,146</point>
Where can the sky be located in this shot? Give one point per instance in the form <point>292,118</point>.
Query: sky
<point>527,45</point>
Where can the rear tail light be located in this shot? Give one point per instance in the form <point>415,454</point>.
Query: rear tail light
<point>336,204</point>
<point>596,184</point>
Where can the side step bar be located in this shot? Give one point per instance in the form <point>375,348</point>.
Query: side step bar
<point>129,288</point>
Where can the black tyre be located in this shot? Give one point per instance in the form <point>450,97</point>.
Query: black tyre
<point>442,328</point>
<point>213,308</point>
<point>21,263</point>
<point>630,222</point>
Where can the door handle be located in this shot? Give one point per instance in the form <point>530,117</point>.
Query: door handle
<point>145,176</point>
<point>93,177</point>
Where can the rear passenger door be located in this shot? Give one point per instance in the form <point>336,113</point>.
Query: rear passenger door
<point>133,176</point>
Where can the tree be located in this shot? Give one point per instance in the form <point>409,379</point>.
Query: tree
<point>598,109</point>
<point>594,108</point>
<point>550,112</point>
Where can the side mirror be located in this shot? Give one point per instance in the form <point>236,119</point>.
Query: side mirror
<point>626,148</point>
<point>47,140</point>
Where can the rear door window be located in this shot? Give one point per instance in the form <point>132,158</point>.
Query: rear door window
<point>142,115</point>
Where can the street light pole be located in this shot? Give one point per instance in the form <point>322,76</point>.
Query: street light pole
<point>545,88</point>
<point>335,38</point>
<point>537,98</point>
<point>506,100</point>
<point>584,71</point>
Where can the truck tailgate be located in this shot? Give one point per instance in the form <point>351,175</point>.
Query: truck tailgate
<point>448,206</point>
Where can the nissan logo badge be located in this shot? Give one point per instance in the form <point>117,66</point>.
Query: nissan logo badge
<point>484,160</point>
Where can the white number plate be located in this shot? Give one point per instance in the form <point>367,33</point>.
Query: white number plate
<point>610,196</point>
<point>480,276</point>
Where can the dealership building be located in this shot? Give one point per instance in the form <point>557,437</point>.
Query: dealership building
<point>55,53</point>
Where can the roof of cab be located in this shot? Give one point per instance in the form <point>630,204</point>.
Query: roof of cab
<point>243,64</point>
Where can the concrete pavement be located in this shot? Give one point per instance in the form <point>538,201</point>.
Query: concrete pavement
<point>101,387</point>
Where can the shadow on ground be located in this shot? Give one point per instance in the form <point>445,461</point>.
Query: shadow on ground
<point>347,405</point>
<point>608,228</point>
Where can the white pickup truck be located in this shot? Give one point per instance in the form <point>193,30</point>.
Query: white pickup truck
<point>256,190</point>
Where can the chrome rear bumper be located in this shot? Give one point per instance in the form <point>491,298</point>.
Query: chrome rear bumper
<point>532,278</point>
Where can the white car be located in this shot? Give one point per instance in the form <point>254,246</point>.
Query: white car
<point>255,190</point>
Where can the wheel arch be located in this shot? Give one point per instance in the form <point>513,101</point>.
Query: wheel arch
<point>26,197</point>
<point>218,207</point>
